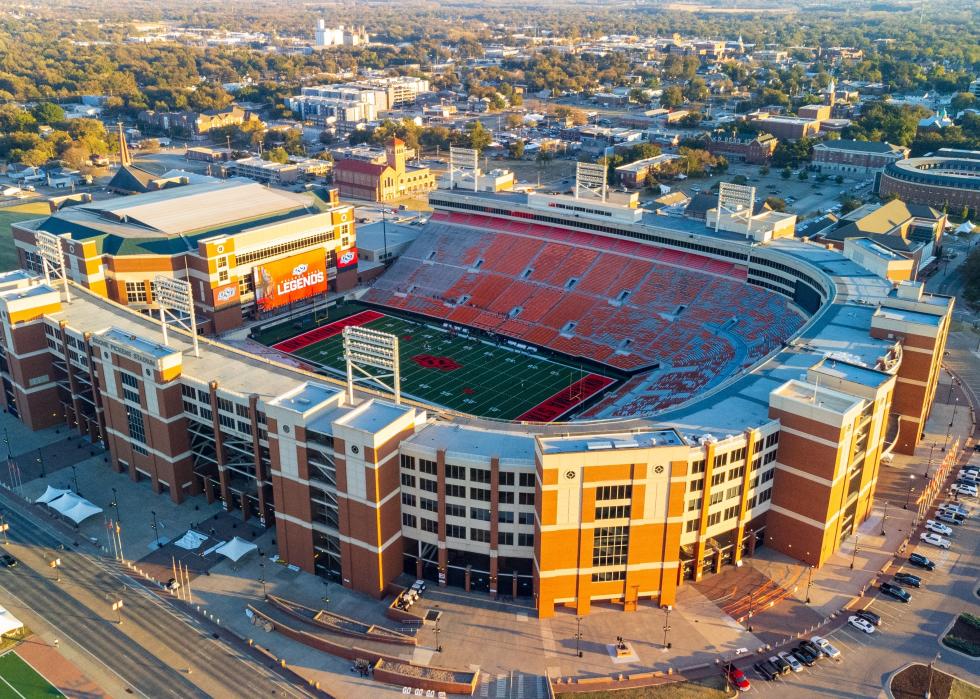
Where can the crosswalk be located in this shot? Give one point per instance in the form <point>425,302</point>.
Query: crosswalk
<point>514,685</point>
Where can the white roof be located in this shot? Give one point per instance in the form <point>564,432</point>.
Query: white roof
<point>236,549</point>
<point>8,622</point>
<point>50,494</point>
<point>75,508</point>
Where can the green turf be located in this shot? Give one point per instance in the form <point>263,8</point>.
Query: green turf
<point>13,214</point>
<point>21,680</point>
<point>503,383</point>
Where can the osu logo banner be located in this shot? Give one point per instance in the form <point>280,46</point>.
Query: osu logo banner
<point>225,294</point>
<point>284,281</point>
<point>347,258</point>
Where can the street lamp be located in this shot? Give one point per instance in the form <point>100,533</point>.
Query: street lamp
<point>117,608</point>
<point>884,516</point>
<point>438,615</point>
<point>40,461</point>
<point>952,419</point>
<point>857,539</point>
<point>809,582</point>
<point>74,475</point>
<point>156,533</point>
<point>56,564</point>
<point>115,504</point>
<point>667,609</point>
<point>908,497</point>
<point>4,527</point>
<point>578,636</point>
<point>262,578</point>
<point>931,666</point>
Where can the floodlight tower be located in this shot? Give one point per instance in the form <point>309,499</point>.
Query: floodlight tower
<point>462,160</point>
<point>366,349</point>
<point>591,179</point>
<point>52,257</point>
<point>173,295</point>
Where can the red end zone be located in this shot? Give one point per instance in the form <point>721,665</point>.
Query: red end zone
<point>311,337</point>
<point>557,405</point>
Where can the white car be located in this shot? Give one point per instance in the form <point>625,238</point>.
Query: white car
<point>794,664</point>
<point>938,527</point>
<point>970,490</point>
<point>825,647</point>
<point>934,539</point>
<point>861,624</point>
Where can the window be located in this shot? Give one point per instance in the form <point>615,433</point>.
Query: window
<point>505,516</point>
<point>408,462</point>
<point>609,575</point>
<point>610,547</point>
<point>526,480</point>
<point>479,475</point>
<point>282,248</point>
<point>698,466</point>
<point>428,485</point>
<point>736,473</point>
<point>714,519</point>
<point>455,531</point>
<point>226,421</point>
<point>226,405</point>
<point>721,460</point>
<point>430,526</point>
<point>612,512</point>
<point>525,498</point>
<point>480,513</point>
<point>409,520</point>
<point>137,431</point>
<point>505,497</point>
<point>692,525</point>
<point>429,467</point>
<point>613,492</point>
<point>738,454</point>
<point>525,539</point>
<point>765,495</point>
<point>188,391</point>
<point>733,492</point>
<point>716,498</point>
<point>203,397</point>
<point>772,440</point>
<point>525,518</point>
<point>480,494</point>
<point>694,505</point>
<point>455,510</point>
<point>506,477</point>
<point>481,535</point>
<point>718,478</point>
<point>769,457</point>
<point>135,292</point>
<point>696,485</point>
<point>408,499</point>
<point>768,475</point>
<point>505,539</point>
<point>455,491</point>
<point>408,480</point>
<point>731,512</point>
<point>428,504</point>
<point>456,472</point>
<point>130,387</point>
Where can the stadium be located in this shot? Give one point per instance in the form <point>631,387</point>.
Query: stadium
<point>597,403</point>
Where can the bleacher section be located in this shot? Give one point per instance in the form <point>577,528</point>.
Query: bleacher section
<point>622,303</point>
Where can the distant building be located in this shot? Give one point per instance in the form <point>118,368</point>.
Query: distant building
<point>361,179</point>
<point>634,175</point>
<point>326,37</point>
<point>860,158</point>
<point>383,93</point>
<point>937,122</point>
<point>260,170</point>
<point>208,155</point>
<point>949,178</point>
<point>786,127</point>
<point>497,180</point>
<point>818,112</point>
<point>756,150</point>
<point>195,122</point>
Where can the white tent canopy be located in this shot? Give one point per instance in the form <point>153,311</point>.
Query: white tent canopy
<point>74,507</point>
<point>236,549</point>
<point>51,494</point>
<point>8,622</point>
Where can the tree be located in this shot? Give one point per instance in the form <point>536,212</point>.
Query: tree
<point>849,203</point>
<point>740,179</point>
<point>839,179</point>
<point>786,173</point>
<point>776,203</point>
<point>435,137</point>
<point>961,101</point>
<point>764,170</point>
<point>15,119</point>
<point>276,155</point>
<point>696,90</point>
<point>516,149</point>
<point>48,113</point>
<point>672,97</point>
<point>476,136</point>
<point>513,121</point>
<point>803,175</point>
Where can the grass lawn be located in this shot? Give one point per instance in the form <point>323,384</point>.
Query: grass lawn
<point>12,214</point>
<point>454,371</point>
<point>18,680</point>
<point>713,688</point>
<point>913,681</point>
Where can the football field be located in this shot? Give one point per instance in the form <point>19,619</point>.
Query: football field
<point>18,680</point>
<point>454,370</point>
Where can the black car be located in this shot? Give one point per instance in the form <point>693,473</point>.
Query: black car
<point>8,560</point>
<point>804,656</point>
<point>908,579</point>
<point>811,648</point>
<point>893,590</point>
<point>920,561</point>
<point>766,670</point>
<point>781,665</point>
<point>870,616</point>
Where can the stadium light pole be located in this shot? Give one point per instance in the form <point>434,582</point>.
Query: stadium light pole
<point>176,295</point>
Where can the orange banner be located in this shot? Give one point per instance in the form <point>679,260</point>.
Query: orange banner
<point>291,279</point>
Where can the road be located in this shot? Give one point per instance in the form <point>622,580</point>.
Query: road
<point>156,652</point>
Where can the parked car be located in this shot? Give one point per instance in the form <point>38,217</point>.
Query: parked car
<point>766,670</point>
<point>738,678</point>
<point>908,579</point>
<point>860,624</point>
<point>790,660</point>
<point>934,539</point>
<point>920,561</point>
<point>812,648</point>
<point>780,664</point>
<point>896,591</point>
<point>963,489</point>
<point>957,507</point>
<point>949,517</point>
<point>8,561</point>
<point>825,647</point>
<point>869,616</point>
<point>938,527</point>
<point>172,584</point>
<point>804,656</point>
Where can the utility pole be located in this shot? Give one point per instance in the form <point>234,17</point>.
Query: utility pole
<point>809,582</point>
<point>578,636</point>
<point>667,643</point>
<point>857,538</point>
